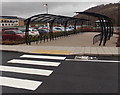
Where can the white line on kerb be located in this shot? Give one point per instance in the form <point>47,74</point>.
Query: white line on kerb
<point>31,62</point>
<point>26,70</point>
<point>19,83</point>
<point>43,57</point>
<point>94,60</point>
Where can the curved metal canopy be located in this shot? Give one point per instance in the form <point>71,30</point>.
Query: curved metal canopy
<point>50,18</point>
<point>105,23</point>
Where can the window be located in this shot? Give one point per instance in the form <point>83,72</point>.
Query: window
<point>2,24</point>
<point>18,32</point>
<point>9,32</point>
<point>5,21</point>
<point>16,24</point>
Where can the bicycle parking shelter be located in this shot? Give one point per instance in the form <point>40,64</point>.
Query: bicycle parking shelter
<point>105,24</point>
<point>104,21</point>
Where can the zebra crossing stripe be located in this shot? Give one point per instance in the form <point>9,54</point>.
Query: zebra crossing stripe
<point>26,70</point>
<point>19,83</point>
<point>31,62</point>
<point>42,57</point>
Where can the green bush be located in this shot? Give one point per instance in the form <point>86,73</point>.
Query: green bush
<point>9,42</point>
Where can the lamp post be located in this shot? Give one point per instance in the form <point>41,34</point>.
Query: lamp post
<point>46,5</point>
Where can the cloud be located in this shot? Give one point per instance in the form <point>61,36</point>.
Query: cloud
<point>27,9</point>
<point>70,9</point>
<point>110,1</point>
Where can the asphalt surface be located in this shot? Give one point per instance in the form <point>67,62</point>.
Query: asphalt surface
<point>69,77</point>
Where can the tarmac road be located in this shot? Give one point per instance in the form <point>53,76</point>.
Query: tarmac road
<point>70,76</point>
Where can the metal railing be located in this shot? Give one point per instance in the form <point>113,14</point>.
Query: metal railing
<point>96,38</point>
<point>50,36</point>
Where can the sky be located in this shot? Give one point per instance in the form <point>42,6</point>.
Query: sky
<point>28,8</point>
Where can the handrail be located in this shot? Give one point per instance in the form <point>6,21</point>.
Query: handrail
<point>96,38</point>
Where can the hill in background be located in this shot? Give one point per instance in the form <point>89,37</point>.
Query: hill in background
<point>110,10</point>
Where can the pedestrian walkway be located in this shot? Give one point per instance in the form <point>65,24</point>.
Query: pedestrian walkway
<point>112,51</point>
<point>78,40</point>
<point>74,44</point>
<point>27,65</point>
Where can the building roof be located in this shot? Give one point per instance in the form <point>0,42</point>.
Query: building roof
<point>9,17</point>
<point>21,18</point>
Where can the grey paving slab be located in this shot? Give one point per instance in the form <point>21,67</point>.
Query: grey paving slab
<point>100,51</point>
<point>93,51</point>
<point>82,50</point>
<point>113,50</point>
<point>106,50</point>
<point>76,50</point>
<point>87,50</point>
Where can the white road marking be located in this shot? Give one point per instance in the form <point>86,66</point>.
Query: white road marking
<point>94,60</point>
<point>26,70</point>
<point>31,62</point>
<point>43,57</point>
<point>19,83</point>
